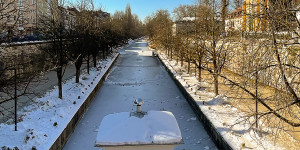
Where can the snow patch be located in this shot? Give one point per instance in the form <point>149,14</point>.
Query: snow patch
<point>218,100</point>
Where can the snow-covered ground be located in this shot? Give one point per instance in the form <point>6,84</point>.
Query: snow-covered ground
<point>220,112</point>
<point>25,42</point>
<point>41,124</point>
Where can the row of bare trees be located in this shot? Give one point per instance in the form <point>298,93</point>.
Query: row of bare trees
<point>271,57</point>
<point>14,75</point>
<point>92,36</point>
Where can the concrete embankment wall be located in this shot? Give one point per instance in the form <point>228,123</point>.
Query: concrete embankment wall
<point>64,136</point>
<point>210,128</point>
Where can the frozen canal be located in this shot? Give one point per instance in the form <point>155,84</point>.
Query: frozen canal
<point>136,74</point>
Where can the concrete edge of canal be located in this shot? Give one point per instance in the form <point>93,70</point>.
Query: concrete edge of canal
<point>220,142</point>
<point>66,133</point>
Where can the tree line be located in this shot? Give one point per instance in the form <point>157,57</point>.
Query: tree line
<point>93,36</point>
<point>258,60</point>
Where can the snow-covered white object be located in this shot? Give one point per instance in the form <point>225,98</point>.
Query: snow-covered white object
<point>155,127</point>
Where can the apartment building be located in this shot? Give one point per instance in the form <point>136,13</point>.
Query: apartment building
<point>24,17</point>
<point>234,20</point>
<point>184,26</point>
<point>21,16</point>
<point>251,17</point>
<point>70,17</point>
<point>8,13</point>
<point>254,18</point>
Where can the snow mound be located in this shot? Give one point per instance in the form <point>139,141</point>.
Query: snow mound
<point>156,127</point>
<point>218,100</point>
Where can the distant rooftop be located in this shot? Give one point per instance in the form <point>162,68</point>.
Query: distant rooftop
<point>236,13</point>
<point>188,19</point>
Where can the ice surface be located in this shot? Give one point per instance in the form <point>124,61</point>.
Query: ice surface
<point>156,127</point>
<point>135,76</point>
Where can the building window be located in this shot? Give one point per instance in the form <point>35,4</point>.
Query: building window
<point>21,3</point>
<point>32,2</point>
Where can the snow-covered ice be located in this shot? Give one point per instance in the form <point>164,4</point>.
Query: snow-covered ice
<point>137,76</point>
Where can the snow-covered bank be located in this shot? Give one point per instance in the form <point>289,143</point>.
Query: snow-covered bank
<point>220,113</point>
<point>41,124</point>
<point>23,43</point>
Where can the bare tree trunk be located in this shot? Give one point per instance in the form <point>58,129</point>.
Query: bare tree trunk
<point>171,51</point>
<point>78,64</point>
<point>177,58</point>
<point>59,78</point>
<point>199,69</point>
<point>181,59</point>
<point>106,51</point>
<point>215,65</point>
<point>95,60</point>
<point>168,52</point>
<point>88,64</point>
<point>215,75</point>
<point>223,14</point>
<point>60,72</point>
<point>103,54</point>
<point>189,61</point>
<point>216,84</point>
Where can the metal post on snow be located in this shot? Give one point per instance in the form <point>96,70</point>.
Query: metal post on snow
<point>16,119</point>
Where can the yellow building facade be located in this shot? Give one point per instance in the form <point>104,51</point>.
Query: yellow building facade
<point>254,15</point>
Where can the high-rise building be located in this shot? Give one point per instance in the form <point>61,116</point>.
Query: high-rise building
<point>22,16</point>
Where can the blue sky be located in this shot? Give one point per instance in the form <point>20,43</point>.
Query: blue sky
<point>142,8</point>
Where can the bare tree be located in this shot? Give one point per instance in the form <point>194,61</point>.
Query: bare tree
<point>8,20</point>
<point>159,27</point>
<point>268,65</point>
<point>52,25</point>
